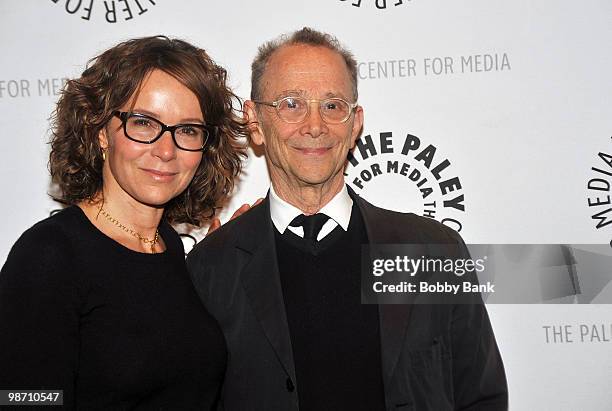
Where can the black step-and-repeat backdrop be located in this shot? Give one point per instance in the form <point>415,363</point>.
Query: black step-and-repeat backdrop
<point>490,116</point>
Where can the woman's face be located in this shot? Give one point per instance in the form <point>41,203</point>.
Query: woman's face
<point>152,174</point>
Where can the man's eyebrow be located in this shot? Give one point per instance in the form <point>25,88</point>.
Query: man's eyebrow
<point>303,93</point>
<point>292,93</point>
<point>331,94</point>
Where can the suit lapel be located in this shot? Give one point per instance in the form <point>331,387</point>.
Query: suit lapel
<point>393,318</point>
<point>261,280</point>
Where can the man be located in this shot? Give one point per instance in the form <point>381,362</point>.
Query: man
<point>283,279</point>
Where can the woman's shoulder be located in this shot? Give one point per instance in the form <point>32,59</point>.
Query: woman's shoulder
<point>52,238</point>
<point>59,228</point>
<point>44,250</point>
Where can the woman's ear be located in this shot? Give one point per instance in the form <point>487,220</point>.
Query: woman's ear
<point>103,138</point>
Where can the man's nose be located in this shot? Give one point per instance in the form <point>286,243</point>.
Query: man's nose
<point>314,123</point>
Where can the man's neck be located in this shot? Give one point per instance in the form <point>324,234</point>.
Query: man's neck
<point>308,198</point>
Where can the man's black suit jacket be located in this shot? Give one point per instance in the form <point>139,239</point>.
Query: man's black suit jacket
<point>434,357</point>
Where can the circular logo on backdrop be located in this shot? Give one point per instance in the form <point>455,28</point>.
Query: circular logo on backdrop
<point>379,4</point>
<point>405,173</point>
<point>110,11</point>
<point>598,194</point>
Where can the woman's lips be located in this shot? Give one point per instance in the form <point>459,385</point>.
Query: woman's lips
<point>158,175</point>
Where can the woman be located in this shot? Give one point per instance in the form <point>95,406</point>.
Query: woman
<point>96,300</point>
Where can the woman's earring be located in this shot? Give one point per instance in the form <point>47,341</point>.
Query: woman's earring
<point>103,154</point>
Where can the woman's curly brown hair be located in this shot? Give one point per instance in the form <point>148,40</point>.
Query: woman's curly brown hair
<point>87,104</point>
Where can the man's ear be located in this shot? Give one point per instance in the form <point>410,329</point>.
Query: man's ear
<point>250,115</point>
<point>357,125</point>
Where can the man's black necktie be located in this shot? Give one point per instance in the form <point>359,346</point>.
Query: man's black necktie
<point>312,224</point>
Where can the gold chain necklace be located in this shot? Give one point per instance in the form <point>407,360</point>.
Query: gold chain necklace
<point>131,231</point>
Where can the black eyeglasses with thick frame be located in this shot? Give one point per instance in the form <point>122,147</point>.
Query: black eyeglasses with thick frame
<point>207,130</point>
<point>277,104</point>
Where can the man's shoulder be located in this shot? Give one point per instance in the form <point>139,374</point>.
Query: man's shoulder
<point>240,230</point>
<point>407,226</point>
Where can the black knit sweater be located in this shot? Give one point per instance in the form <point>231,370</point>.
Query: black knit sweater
<point>335,339</point>
<point>113,328</point>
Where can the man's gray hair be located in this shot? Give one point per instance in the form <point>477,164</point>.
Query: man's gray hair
<point>306,36</point>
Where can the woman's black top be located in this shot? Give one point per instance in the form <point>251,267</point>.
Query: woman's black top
<point>111,327</point>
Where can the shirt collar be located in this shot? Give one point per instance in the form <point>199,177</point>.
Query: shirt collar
<point>338,209</point>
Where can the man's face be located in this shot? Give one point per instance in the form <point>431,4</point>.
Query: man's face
<point>311,152</point>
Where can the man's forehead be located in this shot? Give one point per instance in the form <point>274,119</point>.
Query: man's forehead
<point>306,58</point>
<point>303,67</point>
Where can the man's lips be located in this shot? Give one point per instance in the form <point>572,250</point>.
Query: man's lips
<point>313,151</point>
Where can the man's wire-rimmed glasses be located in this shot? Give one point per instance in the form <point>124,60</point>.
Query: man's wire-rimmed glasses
<point>294,109</point>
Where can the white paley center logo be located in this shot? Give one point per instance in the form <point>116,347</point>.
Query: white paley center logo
<point>406,174</point>
<point>598,196</point>
<point>110,11</point>
<point>379,4</point>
